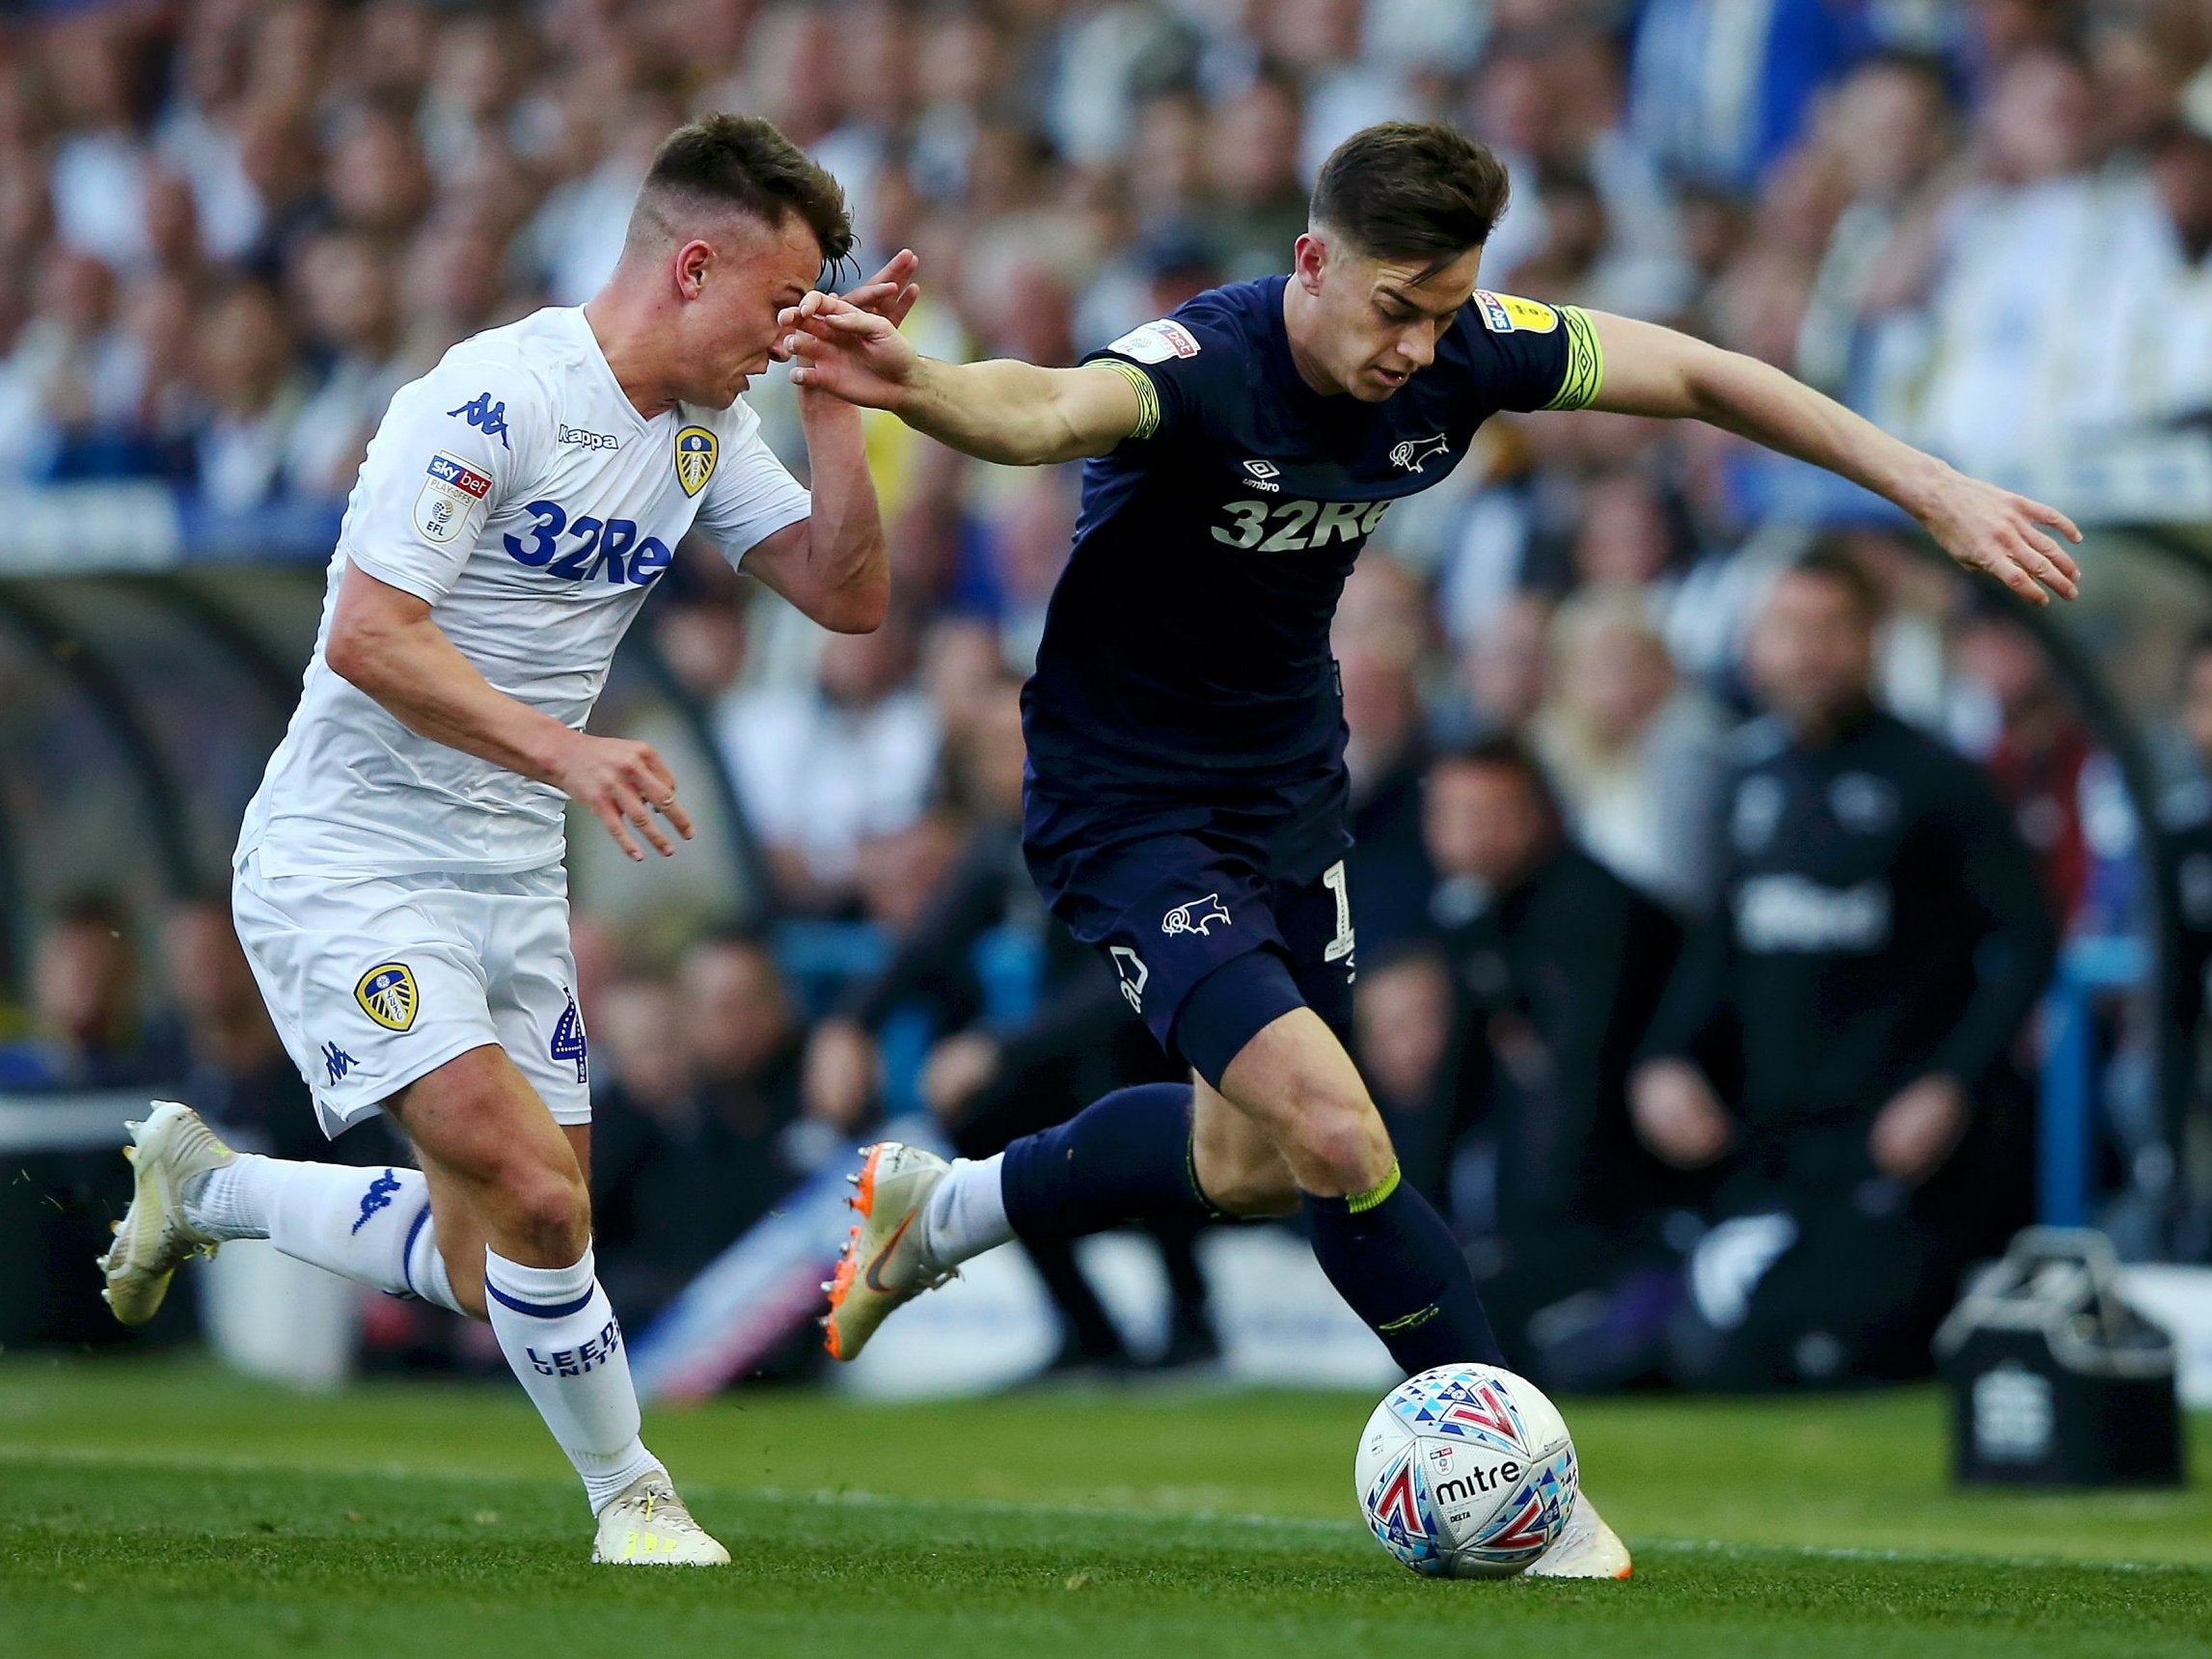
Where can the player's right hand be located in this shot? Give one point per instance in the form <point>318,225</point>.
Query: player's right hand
<point>846,352</point>
<point>624,784</point>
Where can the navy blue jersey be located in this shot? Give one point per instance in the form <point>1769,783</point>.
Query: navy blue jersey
<point>1186,653</point>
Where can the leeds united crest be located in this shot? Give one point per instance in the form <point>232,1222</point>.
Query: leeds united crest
<point>387,994</point>
<point>697,451</point>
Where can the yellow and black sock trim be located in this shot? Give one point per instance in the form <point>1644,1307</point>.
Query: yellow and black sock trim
<point>1359,1203</point>
<point>1147,394</point>
<point>1585,362</point>
<point>1411,1321</point>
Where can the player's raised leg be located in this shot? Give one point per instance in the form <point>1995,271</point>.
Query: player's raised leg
<point>192,1193</point>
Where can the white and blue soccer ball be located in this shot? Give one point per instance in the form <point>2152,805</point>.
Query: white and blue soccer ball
<point>1466,1472</point>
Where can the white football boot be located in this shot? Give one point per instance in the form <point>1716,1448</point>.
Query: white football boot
<point>1589,1548</point>
<point>884,1262</point>
<point>155,1238</point>
<point>647,1525</point>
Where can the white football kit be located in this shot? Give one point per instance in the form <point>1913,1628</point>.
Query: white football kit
<point>401,901</point>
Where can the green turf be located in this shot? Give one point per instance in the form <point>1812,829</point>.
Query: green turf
<point>162,1509</point>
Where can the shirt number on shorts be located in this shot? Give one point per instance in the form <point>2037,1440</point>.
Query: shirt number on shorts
<point>609,545</point>
<point>1341,947</point>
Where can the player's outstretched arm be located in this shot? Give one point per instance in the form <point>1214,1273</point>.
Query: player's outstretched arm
<point>1654,370</point>
<point>1013,412</point>
<point>383,642</point>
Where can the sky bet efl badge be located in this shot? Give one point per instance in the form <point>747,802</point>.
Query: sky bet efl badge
<point>696,451</point>
<point>450,498</point>
<point>387,994</point>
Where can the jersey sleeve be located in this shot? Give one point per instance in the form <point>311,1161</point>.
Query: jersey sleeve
<point>1533,356</point>
<point>750,496</point>
<point>452,447</point>
<point>1176,366</point>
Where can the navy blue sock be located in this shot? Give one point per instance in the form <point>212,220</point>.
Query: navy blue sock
<point>1389,1254</point>
<point>1125,1157</point>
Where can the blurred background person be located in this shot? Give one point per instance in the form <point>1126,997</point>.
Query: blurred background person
<point>1556,965</point>
<point>1835,1048</point>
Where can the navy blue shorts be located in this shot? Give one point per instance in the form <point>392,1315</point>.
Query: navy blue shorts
<point>1198,907</point>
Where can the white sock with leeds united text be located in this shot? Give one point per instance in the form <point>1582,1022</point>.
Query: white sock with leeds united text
<point>559,1332</point>
<point>967,1214</point>
<point>369,1225</point>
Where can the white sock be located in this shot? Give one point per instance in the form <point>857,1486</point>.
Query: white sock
<point>967,1214</point>
<point>372,1226</point>
<point>559,1332</point>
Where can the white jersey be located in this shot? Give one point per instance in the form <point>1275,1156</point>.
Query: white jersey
<point>518,490</point>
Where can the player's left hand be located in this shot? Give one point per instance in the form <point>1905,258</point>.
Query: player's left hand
<point>1916,1131</point>
<point>1984,528</point>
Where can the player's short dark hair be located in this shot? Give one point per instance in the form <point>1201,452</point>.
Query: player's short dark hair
<point>746,162</point>
<point>1412,190</point>
<point>1833,565</point>
<point>1503,751</point>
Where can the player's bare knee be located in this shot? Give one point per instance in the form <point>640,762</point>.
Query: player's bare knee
<point>549,1211</point>
<point>1339,1144</point>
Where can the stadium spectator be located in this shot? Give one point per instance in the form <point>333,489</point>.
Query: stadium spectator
<point>348,292</point>
<point>90,1029</point>
<point>1557,965</point>
<point>654,1202</point>
<point>1836,1045</point>
<point>253,390</point>
<point>2014,717</point>
<point>1635,755</point>
<point>822,767</point>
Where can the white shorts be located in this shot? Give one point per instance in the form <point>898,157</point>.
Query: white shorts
<point>373,981</point>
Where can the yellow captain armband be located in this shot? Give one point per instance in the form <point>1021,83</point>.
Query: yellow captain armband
<point>1147,394</point>
<point>1585,362</point>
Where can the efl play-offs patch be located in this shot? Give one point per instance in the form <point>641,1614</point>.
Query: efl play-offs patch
<point>448,470</point>
<point>447,502</point>
<point>1157,342</point>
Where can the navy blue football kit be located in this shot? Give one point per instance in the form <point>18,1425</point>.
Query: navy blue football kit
<point>1186,799</point>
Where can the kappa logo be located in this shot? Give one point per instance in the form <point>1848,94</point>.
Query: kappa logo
<point>377,1197</point>
<point>336,1062</point>
<point>1414,454</point>
<point>696,450</point>
<point>590,439</point>
<point>387,994</point>
<point>1199,917</point>
<point>487,417</point>
<point>1129,968</point>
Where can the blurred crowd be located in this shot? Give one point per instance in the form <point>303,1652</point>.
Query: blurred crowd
<point>231,228</point>
<point>1577,675</point>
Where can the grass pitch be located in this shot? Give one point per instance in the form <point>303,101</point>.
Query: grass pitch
<point>160,1508</point>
